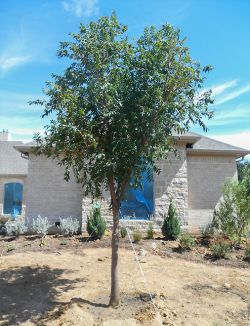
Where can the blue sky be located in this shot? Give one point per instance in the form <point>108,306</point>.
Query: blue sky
<point>217,34</point>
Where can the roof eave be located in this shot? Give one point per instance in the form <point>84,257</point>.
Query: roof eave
<point>24,148</point>
<point>236,153</point>
<point>183,138</point>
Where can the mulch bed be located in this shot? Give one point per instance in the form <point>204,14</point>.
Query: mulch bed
<point>76,244</point>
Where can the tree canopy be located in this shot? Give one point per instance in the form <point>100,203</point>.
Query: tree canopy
<point>115,107</point>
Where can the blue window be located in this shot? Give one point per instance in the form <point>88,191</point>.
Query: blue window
<point>139,203</point>
<point>13,195</point>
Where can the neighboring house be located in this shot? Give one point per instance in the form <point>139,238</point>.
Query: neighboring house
<point>193,179</point>
<point>13,176</point>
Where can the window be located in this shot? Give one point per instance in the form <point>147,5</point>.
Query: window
<point>13,195</point>
<point>139,203</point>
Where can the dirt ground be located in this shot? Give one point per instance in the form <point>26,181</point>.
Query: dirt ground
<point>70,287</point>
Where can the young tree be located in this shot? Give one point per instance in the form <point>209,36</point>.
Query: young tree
<point>115,107</point>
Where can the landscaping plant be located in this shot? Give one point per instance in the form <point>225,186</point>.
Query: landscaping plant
<point>137,235</point>
<point>247,253</point>
<point>15,228</point>
<point>171,227</point>
<point>69,226</point>
<point>96,224</point>
<point>220,250</point>
<point>115,109</point>
<point>41,226</point>
<point>150,231</point>
<point>186,241</point>
<point>123,232</point>
<point>232,217</point>
<point>10,247</point>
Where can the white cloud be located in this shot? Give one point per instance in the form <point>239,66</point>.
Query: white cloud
<point>81,8</point>
<point>230,116</point>
<point>241,139</point>
<point>233,95</point>
<point>218,89</point>
<point>9,62</point>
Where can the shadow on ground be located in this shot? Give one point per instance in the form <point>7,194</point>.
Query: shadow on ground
<point>29,292</point>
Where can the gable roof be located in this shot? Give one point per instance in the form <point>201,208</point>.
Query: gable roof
<point>11,162</point>
<point>206,144</point>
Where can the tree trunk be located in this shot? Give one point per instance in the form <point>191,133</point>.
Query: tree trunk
<point>115,291</point>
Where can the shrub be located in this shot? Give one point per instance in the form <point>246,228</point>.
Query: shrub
<point>96,224</point>
<point>137,235</point>
<point>64,242</point>
<point>208,230</point>
<point>247,253</point>
<point>171,225</point>
<point>10,247</point>
<point>150,231</point>
<point>232,218</point>
<point>123,232</point>
<point>220,250</point>
<point>15,228</point>
<point>41,225</point>
<point>186,241</point>
<point>69,226</point>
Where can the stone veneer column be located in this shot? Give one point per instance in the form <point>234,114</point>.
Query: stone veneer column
<point>172,182</point>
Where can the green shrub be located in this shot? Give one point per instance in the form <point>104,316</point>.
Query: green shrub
<point>123,232</point>
<point>15,228</point>
<point>69,226</point>
<point>186,241</point>
<point>41,225</point>
<point>208,230</point>
<point>63,242</point>
<point>220,250</point>
<point>232,217</point>
<point>247,253</point>
<point>171,225</point>
<point>10,247</point>
<point>137,235</point>
<point>96,224</point>
<point>150,231</point>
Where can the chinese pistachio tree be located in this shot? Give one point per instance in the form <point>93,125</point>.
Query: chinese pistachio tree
<point>115,107</point>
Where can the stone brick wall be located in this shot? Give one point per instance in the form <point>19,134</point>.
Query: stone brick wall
<point>48,194</point>
<point>206,176</point>
<point>171,182</point>
<point>7,179</point>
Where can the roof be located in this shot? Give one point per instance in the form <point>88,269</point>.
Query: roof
<point>209,145</point>
<point>11,162</point>
<point>200,144</point>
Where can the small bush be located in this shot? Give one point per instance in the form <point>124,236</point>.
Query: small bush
<point>15,228</point>
<point>150,231</point>
<point>171,226</point>
<point>123,232</point>
<point>232,217</point>
<point>208,230</point>
<point>10,247</point>
<point>96,224</point>
<point>69,226</point>
<point>220,250</point>
<point>63,242</point>
<point>247,253</point>
<point>186,241</point>
<point>41,225</point>
<point>137,235</point>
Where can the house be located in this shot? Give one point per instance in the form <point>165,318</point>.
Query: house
<point>13,177</point>
<point>193,179</point>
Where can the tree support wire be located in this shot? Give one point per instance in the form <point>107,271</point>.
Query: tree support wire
<point>142,274</point>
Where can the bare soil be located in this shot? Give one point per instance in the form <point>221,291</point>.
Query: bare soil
<point>67,282</point>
